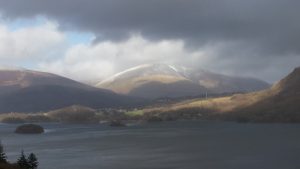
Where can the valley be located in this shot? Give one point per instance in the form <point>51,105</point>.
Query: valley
<point>275,104</point>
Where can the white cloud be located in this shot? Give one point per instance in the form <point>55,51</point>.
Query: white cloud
<point>30,44</point>
<point>95,62</point>
<point>44,47</point>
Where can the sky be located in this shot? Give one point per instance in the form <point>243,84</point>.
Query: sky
<point>90,40</point>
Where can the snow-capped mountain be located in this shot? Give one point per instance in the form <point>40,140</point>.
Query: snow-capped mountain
<point>162,80</point>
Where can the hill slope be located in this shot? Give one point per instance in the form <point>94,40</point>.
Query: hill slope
<point>161,80</point>
<point>31,91</point>
<point>280,103</point>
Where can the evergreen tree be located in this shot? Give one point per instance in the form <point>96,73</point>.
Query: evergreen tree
<point>22,161</point>
<point>32,161</point>
<point>3,158</point>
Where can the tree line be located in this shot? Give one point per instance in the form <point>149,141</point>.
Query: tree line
<point>23,162</point>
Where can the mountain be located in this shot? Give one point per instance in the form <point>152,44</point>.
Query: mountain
<point>162,80</point>
<point>152,81</point>
<point>279,103</point>
<point>14,79</point>
<point>24,90</point>
<point>219,83</point>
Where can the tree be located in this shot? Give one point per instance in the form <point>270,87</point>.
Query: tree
<point>32,161</point>
<point>3,158</point>
<point>22,161</point>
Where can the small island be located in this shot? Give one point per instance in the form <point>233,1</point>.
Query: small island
<point>29,129</point>
<point>117,123</point>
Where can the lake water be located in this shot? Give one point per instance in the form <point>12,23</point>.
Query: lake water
<point>167,145</point>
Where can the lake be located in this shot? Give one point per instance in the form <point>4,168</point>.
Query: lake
<point>165,145</point>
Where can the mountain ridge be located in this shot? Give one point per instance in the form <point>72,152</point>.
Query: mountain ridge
<point>279,103</point>
<point>33,91</point>
<point>140,77</point>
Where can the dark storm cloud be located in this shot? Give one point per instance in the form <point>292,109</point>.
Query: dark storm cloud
<point>272,23</point>
<point>262,30</point>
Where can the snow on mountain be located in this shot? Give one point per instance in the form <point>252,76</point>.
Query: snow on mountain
<point>159,78</point>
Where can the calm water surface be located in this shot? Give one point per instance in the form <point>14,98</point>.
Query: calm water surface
<point>167,145</point>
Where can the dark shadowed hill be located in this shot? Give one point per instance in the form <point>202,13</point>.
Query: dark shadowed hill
<point>13,79</point>
<point>32,91</point>
<point>290,84</point>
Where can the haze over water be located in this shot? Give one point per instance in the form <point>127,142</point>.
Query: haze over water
<point>168,145</point>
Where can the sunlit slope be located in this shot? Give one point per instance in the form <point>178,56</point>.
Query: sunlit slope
<point>280,103</point>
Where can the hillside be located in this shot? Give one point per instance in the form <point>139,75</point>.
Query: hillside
<point>280,103</point>
<point>14,79</point>
<point>219,83</point>
<point>73,114</point>
<point>31,91</point>
<point>161,80</point>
